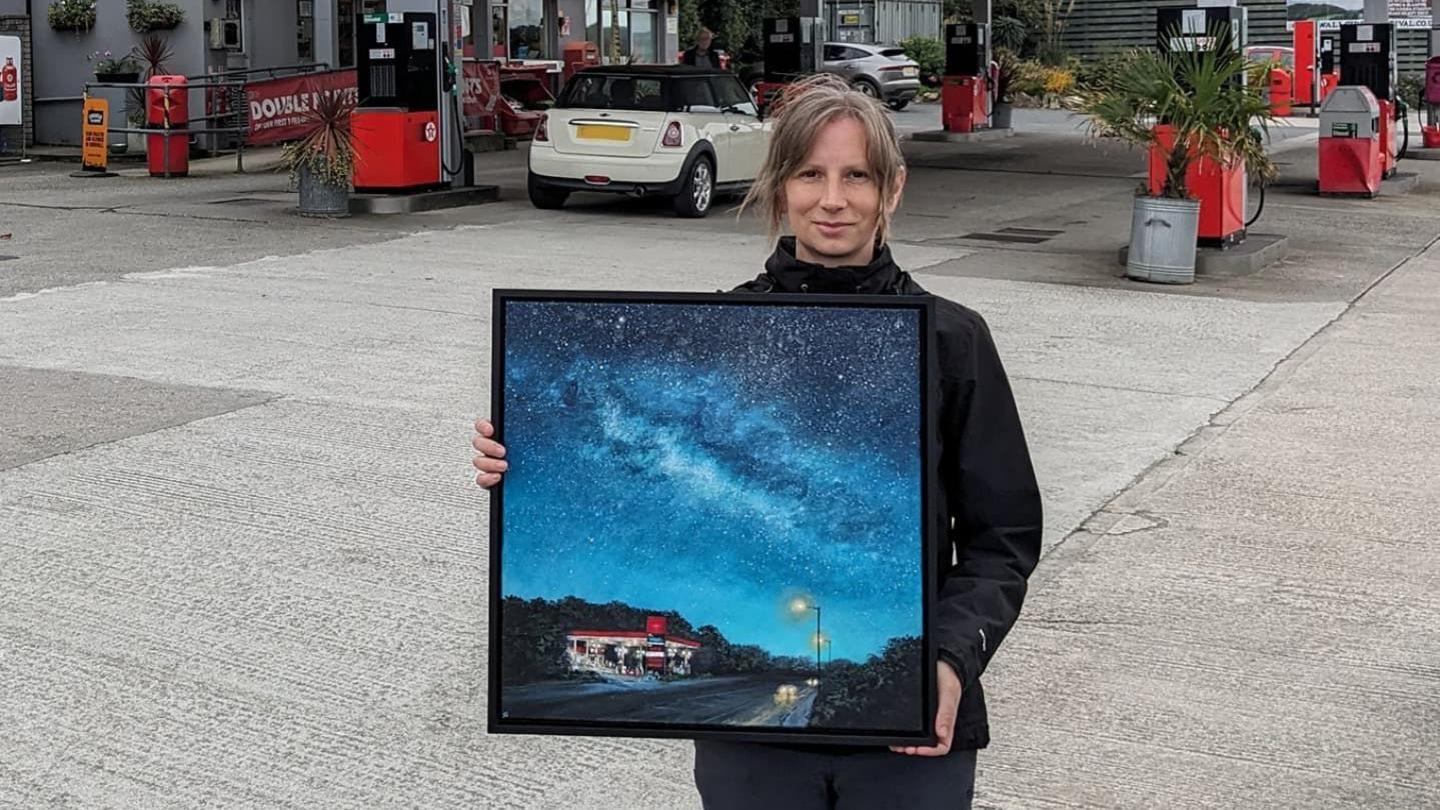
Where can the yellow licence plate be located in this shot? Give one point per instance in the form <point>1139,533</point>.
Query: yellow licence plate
<point>600,132</point>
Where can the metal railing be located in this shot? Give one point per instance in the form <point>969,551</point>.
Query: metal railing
<point>223,90</point>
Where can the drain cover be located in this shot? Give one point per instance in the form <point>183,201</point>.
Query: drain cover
<point>1025,236</point>
<point>1031,231</point>
<point>1007,237</point>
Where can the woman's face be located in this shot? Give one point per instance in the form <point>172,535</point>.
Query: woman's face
<point>832,202</point>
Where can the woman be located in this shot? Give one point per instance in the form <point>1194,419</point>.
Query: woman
<point>834,174</point>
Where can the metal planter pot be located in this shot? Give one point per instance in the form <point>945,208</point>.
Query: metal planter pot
<point>321,199</point>
<point>1163,237</point>
<point>1000,118</point>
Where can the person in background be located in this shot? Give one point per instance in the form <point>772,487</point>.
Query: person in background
<point>701,55</point>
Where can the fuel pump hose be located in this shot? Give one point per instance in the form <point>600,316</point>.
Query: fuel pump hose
<point>459,137</point>
<point>1404,122</point>
<point>1260,209</point>
<point>1259,135</point>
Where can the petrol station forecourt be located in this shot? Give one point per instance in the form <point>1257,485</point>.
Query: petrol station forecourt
<point>242,558</point>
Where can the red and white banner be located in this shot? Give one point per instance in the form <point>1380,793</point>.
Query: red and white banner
<point>481,94</point>
<point>278,107</point>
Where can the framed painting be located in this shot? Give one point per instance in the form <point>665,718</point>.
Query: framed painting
<point>716,517</point>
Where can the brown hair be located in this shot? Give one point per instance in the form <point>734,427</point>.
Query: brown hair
<point>804,109</point>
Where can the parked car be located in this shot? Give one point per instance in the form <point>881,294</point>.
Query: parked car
<point>680,132</point>
<point>1266,54</point>
<point>881,71</point>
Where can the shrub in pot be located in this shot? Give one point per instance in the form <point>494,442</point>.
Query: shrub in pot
<point>1196,108</point>
<point>322,161</point>
<point>1006,63</point>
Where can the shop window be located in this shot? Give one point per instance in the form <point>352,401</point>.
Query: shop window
<point>527,29</point>
<point>642,37</point>
<point>305,30</point>
<point>500,31</point>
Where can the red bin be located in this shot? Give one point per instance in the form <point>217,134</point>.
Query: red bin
<point>167,105</point>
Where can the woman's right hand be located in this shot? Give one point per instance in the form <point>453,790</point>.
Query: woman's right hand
<point>490,454</point>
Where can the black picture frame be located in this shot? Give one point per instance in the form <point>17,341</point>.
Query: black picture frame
<point>503,721</point>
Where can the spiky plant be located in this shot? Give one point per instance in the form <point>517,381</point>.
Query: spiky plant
<point>1205,95</point>
<point>327,150</point>
<point>155,54</point>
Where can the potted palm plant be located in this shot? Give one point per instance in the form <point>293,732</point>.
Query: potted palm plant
<point>1197,108</point>
<point>322,161</point>
<point>1006,61</point>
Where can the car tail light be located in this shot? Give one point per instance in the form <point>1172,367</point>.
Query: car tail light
<point>888,68</point>
<point>543,133</point>
<point>673,135</point>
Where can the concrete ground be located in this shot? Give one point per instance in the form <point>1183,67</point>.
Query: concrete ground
<point>242,561</point>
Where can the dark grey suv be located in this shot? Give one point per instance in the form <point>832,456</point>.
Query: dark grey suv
<point>882,71</point>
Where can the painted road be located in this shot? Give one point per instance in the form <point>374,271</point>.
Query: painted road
<point>752,700</point>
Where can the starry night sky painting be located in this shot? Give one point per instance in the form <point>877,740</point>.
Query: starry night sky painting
<point>691,486</point>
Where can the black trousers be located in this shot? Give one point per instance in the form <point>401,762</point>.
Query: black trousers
<point>742,776</point>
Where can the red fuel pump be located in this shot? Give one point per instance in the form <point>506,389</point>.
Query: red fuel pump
<point>1220,189</point>
<point>167,106</point>
<point>792,49</point>
<point>965,88</point>
<point>1329,64</point>
<point>396,124</point>
<point>1431,130</point>
<point>1367,59</point>
<point>1307,64</point>
<point>407,123</point>
<point>1351,161</point>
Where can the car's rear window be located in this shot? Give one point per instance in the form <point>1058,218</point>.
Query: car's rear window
<point>611,92</point>
<point>898,54</point>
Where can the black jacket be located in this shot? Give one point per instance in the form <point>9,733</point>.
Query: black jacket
<point>688,57</point>
<point>990,497</point>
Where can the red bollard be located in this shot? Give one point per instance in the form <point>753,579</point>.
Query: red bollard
<point>1282,86</point>
<point>167,106</point>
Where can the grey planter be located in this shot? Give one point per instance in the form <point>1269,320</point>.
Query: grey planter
<point>1000,118</point>
<point>1163,235</point>
<point>321,199</point>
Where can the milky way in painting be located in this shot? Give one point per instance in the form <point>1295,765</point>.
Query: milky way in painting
<point>718,460</point>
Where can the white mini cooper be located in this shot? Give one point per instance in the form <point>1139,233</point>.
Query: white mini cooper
<point>684,133</point>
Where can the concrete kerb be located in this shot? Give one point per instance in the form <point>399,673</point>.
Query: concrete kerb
<point>942,136</point>
<point>1402,183</point>
<point>424,201</point>
<point>1258,251</point>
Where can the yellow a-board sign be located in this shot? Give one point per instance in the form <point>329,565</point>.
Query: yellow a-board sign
<point>94,150</point>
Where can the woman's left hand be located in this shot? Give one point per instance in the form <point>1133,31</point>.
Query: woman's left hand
<point>949,683</point>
